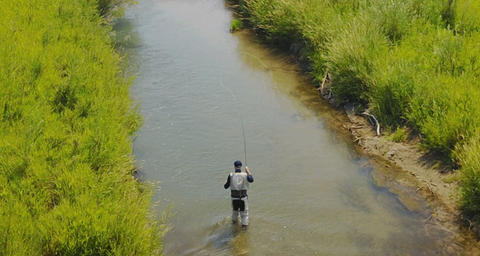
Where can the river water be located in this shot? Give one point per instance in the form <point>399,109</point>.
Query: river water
<point>312,194</point>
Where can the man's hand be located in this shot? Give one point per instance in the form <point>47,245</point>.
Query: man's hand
<point>247,170</point>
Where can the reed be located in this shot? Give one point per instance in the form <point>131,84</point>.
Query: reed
<point>66,130</point>
<point>470,179</point>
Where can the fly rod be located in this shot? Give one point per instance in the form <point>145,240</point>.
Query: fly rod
<point>241,118</point>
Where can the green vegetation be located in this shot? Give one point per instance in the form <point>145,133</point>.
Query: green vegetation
<point>415,62</point>
<point>399,135</point>
<point>236,25</point>
<point>66,130</point>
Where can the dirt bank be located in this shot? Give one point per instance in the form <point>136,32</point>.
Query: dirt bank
<point>405,164</point>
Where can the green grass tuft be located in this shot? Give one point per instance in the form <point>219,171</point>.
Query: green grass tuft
<point>236,25</point>
<point>399,135</point>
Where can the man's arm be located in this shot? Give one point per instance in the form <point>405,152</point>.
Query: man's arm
<point>227,183</point>
<point>249,175</point>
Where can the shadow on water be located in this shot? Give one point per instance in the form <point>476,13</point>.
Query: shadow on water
<point>127,43</point>
<point>126,36</point>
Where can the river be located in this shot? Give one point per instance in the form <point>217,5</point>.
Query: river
<point>312,194</point>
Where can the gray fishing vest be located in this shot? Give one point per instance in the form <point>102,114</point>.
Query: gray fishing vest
<point>238,184</point>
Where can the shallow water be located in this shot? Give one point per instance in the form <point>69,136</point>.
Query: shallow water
<point>313,193</point>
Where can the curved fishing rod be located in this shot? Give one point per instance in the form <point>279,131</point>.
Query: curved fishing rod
<point>241,118</point>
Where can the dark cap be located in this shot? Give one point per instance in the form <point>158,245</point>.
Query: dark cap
<point>237,164</point>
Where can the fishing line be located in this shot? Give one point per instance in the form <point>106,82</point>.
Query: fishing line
<point>294,70</point>
<point>256,58</point>
<point>241,118</point>
<point>235,98</point>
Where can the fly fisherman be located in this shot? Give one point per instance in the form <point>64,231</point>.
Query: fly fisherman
<point>238,183</point>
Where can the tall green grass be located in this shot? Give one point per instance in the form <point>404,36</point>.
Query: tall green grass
<point>414,62</point>
<point>66,129</point>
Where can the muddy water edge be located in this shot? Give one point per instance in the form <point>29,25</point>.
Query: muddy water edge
<point>315,191</point>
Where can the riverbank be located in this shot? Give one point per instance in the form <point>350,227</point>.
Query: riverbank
<point>407,165</point>
<point>67,124</point>
<point>410,92</point>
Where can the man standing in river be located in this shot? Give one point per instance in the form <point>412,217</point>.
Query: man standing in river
<point>238,183</point>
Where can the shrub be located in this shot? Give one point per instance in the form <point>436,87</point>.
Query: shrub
<point>470,178</point>
<point>467,18</point>
<point>393,18</point>
<point>351,57</point>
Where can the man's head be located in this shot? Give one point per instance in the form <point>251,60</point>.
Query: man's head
<point>237,164</point>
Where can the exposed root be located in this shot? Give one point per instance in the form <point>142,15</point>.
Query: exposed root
<point>376,121</point>
<point>325,86</point>
<point>471,224</point>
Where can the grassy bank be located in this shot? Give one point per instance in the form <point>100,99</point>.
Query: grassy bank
<point>415,63</point>
<point>66,129</point>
